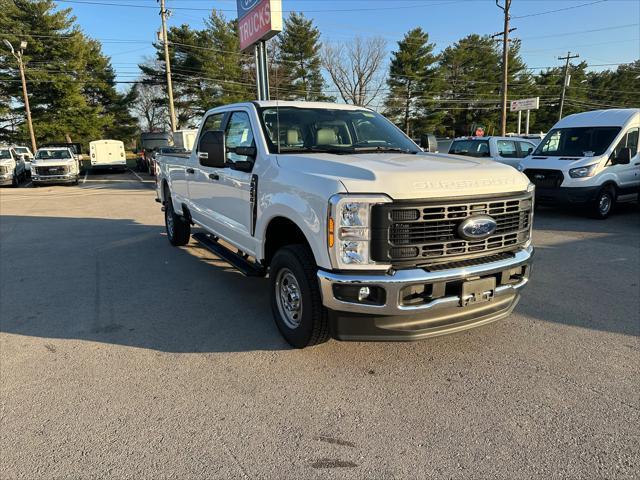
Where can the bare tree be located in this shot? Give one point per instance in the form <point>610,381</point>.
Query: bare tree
<point>149,107</point>
<point>356,69</point>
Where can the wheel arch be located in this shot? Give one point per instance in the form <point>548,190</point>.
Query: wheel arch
<point>280,232</point>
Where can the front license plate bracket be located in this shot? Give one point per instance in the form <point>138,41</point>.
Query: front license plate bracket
<point>477,291</point>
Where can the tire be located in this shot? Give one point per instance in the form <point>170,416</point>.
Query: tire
<point>604,202</point>
<point>178,229</point>
<point>302,320</point>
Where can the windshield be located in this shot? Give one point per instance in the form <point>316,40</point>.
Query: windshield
<point>154,143</point>
<point>5,154</point>
<point>53,154</point>
<point>332,130</point>
<point>577,142</point>
<point>470,148</point>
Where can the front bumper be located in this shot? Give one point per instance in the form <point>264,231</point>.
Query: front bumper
<point>444,309</point>
<point>566,195</point>
<point>69,177</point>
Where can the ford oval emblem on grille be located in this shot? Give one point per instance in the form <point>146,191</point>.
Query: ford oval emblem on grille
<point>477,227</point>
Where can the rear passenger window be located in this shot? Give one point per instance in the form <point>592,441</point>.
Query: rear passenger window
<point>507,149</point>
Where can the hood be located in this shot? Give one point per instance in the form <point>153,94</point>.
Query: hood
<point>559,163</point>
<point>39,162</point>
<point>7,161</point>
<point>406,176</point>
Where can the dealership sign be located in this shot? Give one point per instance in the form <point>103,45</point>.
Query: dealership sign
<point>525,104</point>
<point>258,20</point>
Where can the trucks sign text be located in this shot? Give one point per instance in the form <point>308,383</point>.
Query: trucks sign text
<point>258,20</point>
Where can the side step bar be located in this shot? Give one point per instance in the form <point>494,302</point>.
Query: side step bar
<point>246,267</point>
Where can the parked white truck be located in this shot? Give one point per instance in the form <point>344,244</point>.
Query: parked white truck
<point>108,154</point>
<point>12,167</point>
<point>55,165</point>
<point>363,235</point>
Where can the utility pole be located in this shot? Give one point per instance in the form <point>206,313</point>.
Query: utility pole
<point>505,62</point>
<point>172,112</point>
<point>18,57</point>
<point>566,79</point>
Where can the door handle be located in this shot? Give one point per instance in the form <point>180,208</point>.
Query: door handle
<point>190,170</point>
<point>214,176</point>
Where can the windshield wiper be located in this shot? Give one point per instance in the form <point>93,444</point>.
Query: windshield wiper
<point>382,149</point>
<point>318,149</point>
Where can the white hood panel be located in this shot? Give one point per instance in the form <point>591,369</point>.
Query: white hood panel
<point>406,176</point>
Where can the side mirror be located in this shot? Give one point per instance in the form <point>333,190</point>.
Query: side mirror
<point>211,149</point>
<point>244,151</point>
<point>623,157</point>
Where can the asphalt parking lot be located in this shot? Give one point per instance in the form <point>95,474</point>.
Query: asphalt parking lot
<point>122,356</point>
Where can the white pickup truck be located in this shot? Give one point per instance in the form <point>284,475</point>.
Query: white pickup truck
<point>362,234</point>
<point>55,165</point>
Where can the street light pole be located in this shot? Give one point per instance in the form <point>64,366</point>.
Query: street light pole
<point>18,57</point>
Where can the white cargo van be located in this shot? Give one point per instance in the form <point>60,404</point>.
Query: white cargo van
<point>108,154</point>
<point>184,138</point>
<point>588,159</point>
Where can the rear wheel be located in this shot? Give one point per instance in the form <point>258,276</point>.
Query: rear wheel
<point>603,203</point>
<point>178,229</point>
<point>296,302</point>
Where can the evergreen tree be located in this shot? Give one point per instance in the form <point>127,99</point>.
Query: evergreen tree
<point>472,71</point>
<point>71,83</point>
<point>299,61</point>
<point>412,83</point>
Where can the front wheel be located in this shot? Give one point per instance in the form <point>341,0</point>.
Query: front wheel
<point>178,229</point>
<point>603,203</point>
<point>296,302</point>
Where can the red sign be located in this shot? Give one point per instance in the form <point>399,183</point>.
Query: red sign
<point>263,21</point>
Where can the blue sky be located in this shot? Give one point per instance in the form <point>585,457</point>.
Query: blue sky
<point>602,32</point>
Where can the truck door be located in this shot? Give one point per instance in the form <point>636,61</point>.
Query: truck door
<point>507,152</point>
<point>199,180</point>
<point>220,196</point>
<point>629,175</point>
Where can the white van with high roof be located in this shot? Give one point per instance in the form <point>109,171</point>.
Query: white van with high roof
<point>588,159</point>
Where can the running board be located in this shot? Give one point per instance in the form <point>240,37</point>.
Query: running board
<point>246,267</point>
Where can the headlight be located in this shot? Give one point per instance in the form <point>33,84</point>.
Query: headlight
<point>531,187</point>
<point>582,172</point>
<point>349,233</point>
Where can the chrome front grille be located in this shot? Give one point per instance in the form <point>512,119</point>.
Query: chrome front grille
<point>410,233</point>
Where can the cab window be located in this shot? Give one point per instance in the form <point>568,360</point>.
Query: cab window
<point>629,140</point>
<point>238,134</point>
<point>526,148</point>
<point>507,149</point>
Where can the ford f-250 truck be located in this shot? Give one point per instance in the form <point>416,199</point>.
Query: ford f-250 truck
<point>362,235</point>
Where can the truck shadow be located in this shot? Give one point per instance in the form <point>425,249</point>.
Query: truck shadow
<point>120,282</point>
<point>116,281</point>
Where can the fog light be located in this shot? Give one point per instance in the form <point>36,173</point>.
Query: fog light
<point>363,294</point>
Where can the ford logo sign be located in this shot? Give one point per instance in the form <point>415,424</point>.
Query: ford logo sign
<point>477,227</point>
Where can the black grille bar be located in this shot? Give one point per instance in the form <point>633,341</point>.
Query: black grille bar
<point>414,234</point>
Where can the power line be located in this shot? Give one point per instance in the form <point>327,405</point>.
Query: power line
<point>537,14</point>
<point>396,7</point>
